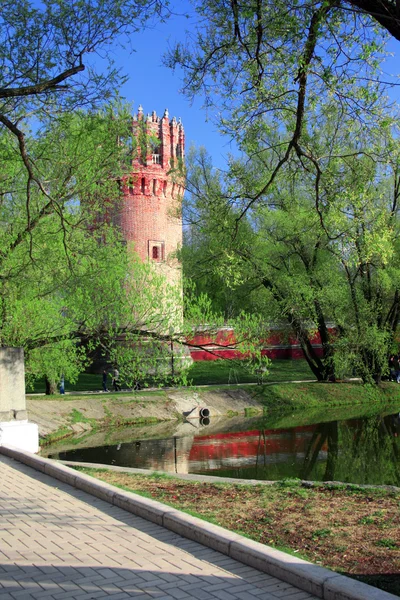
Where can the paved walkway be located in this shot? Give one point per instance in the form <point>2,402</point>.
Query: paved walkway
<point>62,543</point>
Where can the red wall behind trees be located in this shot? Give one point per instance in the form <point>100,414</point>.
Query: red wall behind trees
<point>278,344</point>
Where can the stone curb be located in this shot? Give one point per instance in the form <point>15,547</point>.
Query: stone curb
<point>316,580</point>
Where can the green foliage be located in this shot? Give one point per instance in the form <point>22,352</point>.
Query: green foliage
<point>304,224</point>
<point>200,373</point>
<point>63,269</point>
<point>316,261</point>
<point>202,319</point>
<point>209,266</point>
<point>46,47</point>
<point>68,285</point>
<point>260,65</point>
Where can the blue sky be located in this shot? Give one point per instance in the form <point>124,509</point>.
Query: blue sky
<point>156,87</point>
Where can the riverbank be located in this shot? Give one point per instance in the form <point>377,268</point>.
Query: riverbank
<point>60,417</point>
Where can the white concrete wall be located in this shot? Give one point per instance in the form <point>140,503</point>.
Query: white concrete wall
<point>14,427</point>
<point>12,384</point>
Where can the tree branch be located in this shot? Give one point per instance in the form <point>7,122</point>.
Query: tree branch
<point>41,88</point>
<point>385,12</point>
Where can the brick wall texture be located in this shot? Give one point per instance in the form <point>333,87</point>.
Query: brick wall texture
<point>150,216</point>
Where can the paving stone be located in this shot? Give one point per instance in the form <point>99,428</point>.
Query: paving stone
<point>299,596</point>
<point>223,595</point>
<point>178,594</point>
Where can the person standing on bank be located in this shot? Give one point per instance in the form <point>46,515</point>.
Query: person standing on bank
<point>105,374</point>
<point>397,367</point>
<point>392,368</point>
<point>116,383</point>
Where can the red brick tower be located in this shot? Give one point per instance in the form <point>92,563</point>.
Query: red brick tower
<point>150,215</point>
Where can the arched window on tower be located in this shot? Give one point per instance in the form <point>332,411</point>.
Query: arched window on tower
<point>165,188</point>
<point>155,146</point>
<point>143,185</point>
<point>154,187</point>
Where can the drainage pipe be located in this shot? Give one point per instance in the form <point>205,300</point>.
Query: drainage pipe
<point>204,412</point>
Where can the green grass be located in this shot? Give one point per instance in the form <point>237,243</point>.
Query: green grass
<point>212,372</point>
<point>224,372</point>
<point>77,417</point>
<point>320,396</point>
<point>87,382</point>
<point>387,543</point>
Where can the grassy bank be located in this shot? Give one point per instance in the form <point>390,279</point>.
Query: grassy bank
<point>350,529</point>
<point>271,396</point>
<point>309,395</point>
<point>277,392</point>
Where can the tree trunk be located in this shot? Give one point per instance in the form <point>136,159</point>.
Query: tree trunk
<point>51,387</point>
<point>322,368</point>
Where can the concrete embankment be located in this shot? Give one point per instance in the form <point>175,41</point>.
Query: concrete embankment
<point>79,414</point>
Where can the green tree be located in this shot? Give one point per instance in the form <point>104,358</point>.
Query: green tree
<point>318,249</point>
<point>206,215</point>
<point>64,275</point>
<point>47,47</point>
<point>68,283</point>
<point>310,210</point>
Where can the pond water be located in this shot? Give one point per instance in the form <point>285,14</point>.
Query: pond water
<point>362,450</point>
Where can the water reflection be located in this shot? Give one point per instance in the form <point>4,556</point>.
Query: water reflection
<point>362,450</point>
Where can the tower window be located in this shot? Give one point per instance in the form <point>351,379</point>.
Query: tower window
<point>143,185</point>
<point>154,186</point>
<point>156,250</point>
<point>156,159</point>
<point>165,188</point>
